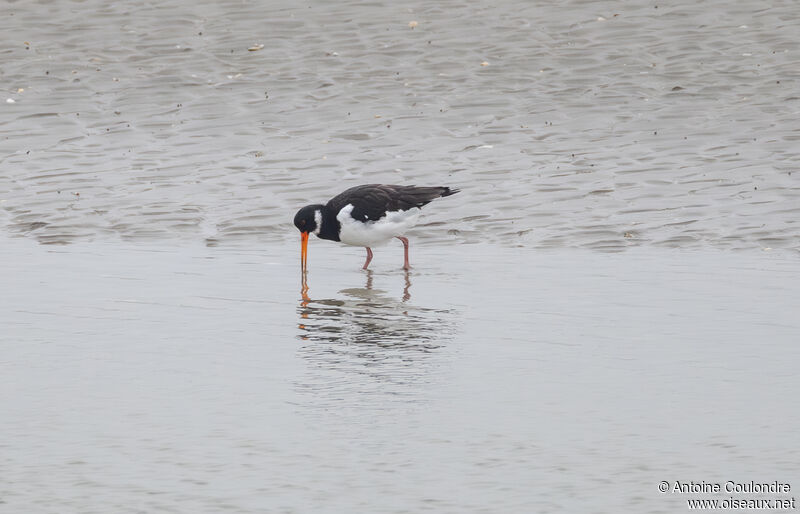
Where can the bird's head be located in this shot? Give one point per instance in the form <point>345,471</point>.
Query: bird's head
<point>307,220</point>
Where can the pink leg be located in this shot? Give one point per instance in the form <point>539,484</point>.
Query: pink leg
<point>406,265</point>
<point>369,258</point>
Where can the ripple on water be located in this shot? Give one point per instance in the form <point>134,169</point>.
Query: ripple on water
<point>629,122</point>
<point>367,342</point>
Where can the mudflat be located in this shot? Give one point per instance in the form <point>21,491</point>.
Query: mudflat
<point>609,303</point>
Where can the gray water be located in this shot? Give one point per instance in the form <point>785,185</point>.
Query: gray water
<point>610,302</point>
<point>139,379</point>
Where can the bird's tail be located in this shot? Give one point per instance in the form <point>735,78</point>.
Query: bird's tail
<point>447,191</point>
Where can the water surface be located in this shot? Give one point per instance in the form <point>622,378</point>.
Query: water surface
<point>611,301</point>
<point>601,125</point>
<point>144,378</point>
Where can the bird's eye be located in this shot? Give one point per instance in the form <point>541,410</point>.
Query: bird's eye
<point>302,222</point>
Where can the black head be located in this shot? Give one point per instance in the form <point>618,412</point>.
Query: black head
<point>306,218</point>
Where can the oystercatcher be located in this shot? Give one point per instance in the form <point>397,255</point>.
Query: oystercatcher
<point>366,215</point>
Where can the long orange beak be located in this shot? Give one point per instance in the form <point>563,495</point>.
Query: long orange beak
<point>304,251</point>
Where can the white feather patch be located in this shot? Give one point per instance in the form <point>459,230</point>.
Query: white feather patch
<point>374,233</point>
<point>318,221</point>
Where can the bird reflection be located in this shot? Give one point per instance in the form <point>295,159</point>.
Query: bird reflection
<point>406,294</point>
<point>366,325</point>
<point>367,349</point>
<point>304,290</point>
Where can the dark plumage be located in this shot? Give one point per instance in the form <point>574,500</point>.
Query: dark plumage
<point>371,214</point>
<point>372,201</point>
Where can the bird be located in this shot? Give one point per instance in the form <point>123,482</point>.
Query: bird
<point>366,215</point>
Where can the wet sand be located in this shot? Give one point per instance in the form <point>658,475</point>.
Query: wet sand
<point>611,301</point>
<point>596,125</point>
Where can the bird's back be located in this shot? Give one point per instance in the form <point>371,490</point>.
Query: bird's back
<point>371,202</point>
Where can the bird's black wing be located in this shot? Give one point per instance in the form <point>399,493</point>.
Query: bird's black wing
<point>373,201</point>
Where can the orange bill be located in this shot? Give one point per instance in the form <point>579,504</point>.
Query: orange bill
<point>304,251</point>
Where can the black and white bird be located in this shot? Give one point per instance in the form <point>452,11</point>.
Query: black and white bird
<point>366,215</point>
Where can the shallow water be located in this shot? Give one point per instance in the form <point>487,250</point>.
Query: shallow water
<point>599,125</point>
<point>139,378</point>
<point>158,354</point>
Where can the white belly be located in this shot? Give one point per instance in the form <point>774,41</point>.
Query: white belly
<point>374,233</point>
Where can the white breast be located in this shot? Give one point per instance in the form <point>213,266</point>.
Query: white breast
<point>374,233</point>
